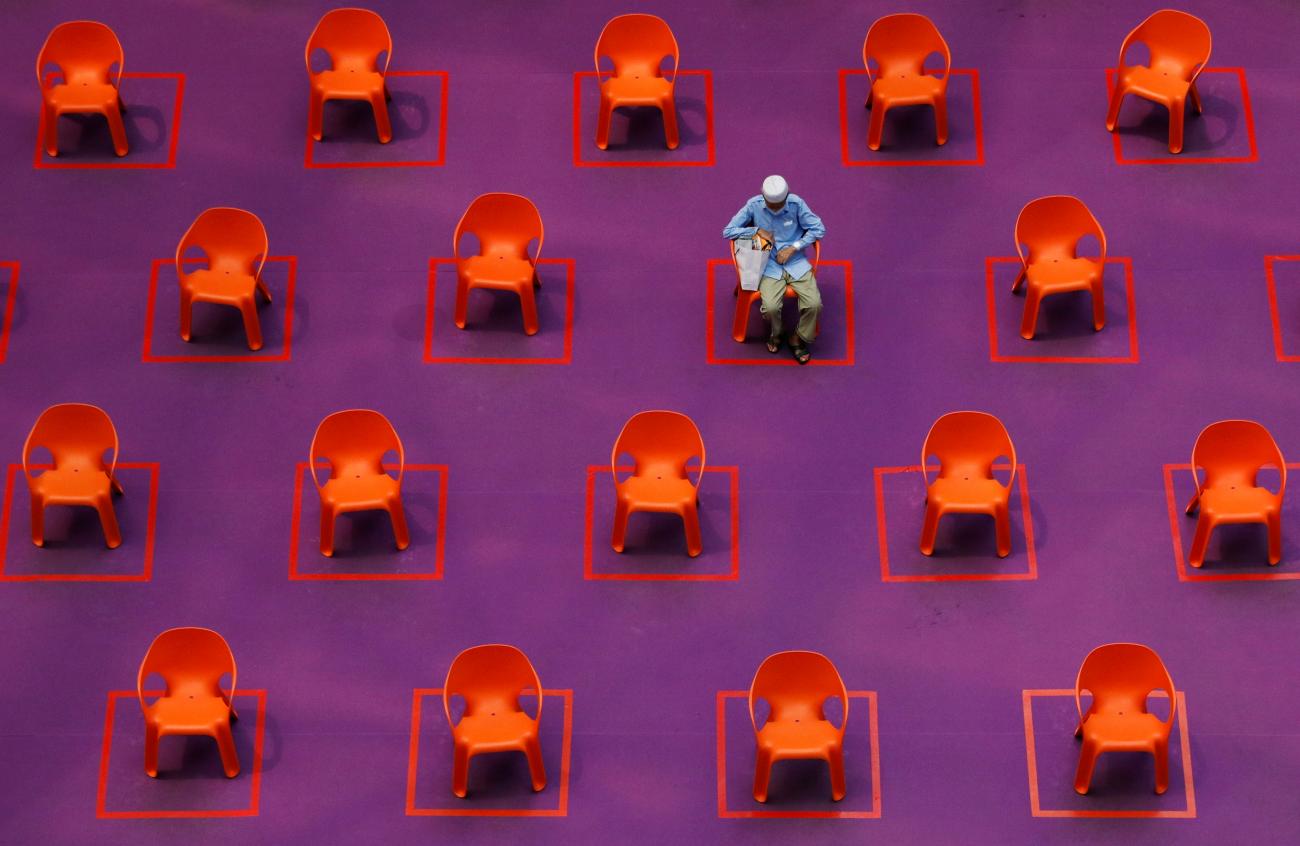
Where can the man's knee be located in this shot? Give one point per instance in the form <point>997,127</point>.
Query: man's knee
<point>811,300</point>
<point>770,299</point>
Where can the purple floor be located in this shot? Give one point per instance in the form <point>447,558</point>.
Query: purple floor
<point>946,669</point>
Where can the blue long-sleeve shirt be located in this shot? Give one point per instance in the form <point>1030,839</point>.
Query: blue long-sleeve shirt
<point>794,225</point>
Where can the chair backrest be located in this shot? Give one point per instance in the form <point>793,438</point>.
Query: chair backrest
<point>1179,43</point>
<point>636,44</point>
<point>1052,226</point>
<point>967,442</point>
<point>660,442</point>
<point>796,685</point>
<point>1234,451</point>
<point>190,660</point>
<point>355,441</point>
<point>227,236</point>
<point>899,44</point>
<point>1121,676</point>
<point>353,38</point>
<point>490,677</point>
<point>504,224</point>
<point>76,434</point>
<point>83,50</point>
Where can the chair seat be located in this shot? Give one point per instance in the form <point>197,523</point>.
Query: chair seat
<point>496,271</point>
<point>495,732</point>
<point>1124,731</point>
<point>188,714</point>
<point>348,84</point>
<point>71,485</point>
<point>636,89</point>
<point>219,286</point>
<point>1066,274</point>
<point>910,89</point>
<point>974,495</point>
<point>360,492</point>
<point>811,738</point>
<point>1229,503</point>
<point>1153,84</point>
<point>81,96</point>
<point>653,492</point>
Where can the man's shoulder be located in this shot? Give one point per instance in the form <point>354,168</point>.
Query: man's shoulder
<point>756,200</point>
<point>796,199</point>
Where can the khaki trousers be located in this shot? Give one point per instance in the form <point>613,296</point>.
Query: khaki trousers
<point>772,292</point>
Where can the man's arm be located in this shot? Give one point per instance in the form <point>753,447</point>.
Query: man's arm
<point>812,226</point>
<point>740,226</point>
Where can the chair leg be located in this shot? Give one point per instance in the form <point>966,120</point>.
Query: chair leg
<point>1098,306</point>
<point>1002,527</point>
<point>691,522</point>
<point>1030,320</point>
<point>1200,541</point>
<point>762,775</point>
<point>602,123</point>
<point>38,521</point>
<point>671,137</point>
<point>876,129</point>
<point>621,512</point>
<point>1196,99</point>
<point>460,771</point>
<point>326,530</point>
<point>108,519</point>
<point>1161,754</point>
<point>536,767</point>
<point>151,750</point>
<point>941,120</point>
<point>51,131</point>
<point>1177,111</point>
<point>263,290</point>
<point>252,326</point>
<point>1020,278</point>
<point>740,323</point>
<point>382,124</point>
<point>462,302</point>
<point>187,314</point>
<point>1116,101</point>
<point>116,128</point>
<point>1087,761</point>
<point>835,760</point>
<point>930,528</point>
<point>226,745</point>
<point>528,303</point>
<point>316,115</point>
<point>1274,538</point>
<point>401,535</point>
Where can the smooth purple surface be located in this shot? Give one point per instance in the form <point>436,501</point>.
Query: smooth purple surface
<point>339,660</point>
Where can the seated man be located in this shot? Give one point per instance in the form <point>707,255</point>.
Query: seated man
<point>785,219</point>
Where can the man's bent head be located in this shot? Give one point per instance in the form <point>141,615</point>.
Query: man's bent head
<point>775,191</point>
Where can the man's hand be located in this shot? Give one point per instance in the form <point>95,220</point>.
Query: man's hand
<point>763,233</point>
<point>783,255</point>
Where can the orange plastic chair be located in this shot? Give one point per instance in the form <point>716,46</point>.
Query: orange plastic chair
<point>796,686</point>
<point>504,224</point>
<point>235,246</point>
<point>1232,452</point>
<point>1180,48</point>
<point>1120,676</point>
<point>636,44</point>
<point>191,662</point>
<point>354,40</point>
<point>967,443</point>
<point>85,53</point>
<point>1051,227</point>
<point>77,436</point>
<point>661,444</point>
<point>745,300</point>
<point>492,679</point>
<point>900,44</point>
<point>354,443</point>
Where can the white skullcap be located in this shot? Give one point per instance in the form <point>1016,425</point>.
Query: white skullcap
<point>775,189</point>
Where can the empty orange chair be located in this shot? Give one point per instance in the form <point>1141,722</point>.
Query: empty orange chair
<point>354,443</point>
<point>354,40</point>
<point>1051,227</point>
<point>492,679</point>
<point>85,53</point>
<point>636,44</point>
<point>967,443</point>
<point>1120,676</point>
<point>77,436</point>
<point>661,443</point>
<point>900,44</point>
<point>234,243</point>
<point>796,686</point>
<point>191,662</point>
<point>745,300</point>
<point>1232,452</point>
<point>1179,44</point>
<point>505,224</point>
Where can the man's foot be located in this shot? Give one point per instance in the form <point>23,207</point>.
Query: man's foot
<point>774,344</point>
<point>802,353</point>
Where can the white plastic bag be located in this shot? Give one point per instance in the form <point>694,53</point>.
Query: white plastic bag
<point>751,258</point>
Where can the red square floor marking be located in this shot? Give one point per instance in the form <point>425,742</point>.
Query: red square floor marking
<point>442,132</point>
<point>845,156</point>
<point>1274,310</point>
<point>1183,158</point>
<point>45,162</point>
<point>579,143</point>
<point>10,301</point>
